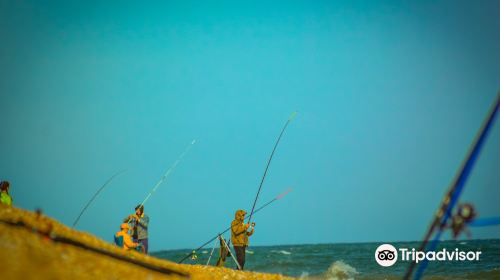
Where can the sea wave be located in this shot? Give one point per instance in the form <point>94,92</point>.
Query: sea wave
<point>353,261</point>
<point>340,270</point>
<point>282,252</point>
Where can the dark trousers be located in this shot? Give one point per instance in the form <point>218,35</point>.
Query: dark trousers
<point>144,243</point>
<point>240,255</point>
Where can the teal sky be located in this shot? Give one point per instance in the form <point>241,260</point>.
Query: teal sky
<point>390,95</point>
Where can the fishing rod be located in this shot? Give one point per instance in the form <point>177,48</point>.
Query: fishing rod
<point>280,196</point>
<point>95,195</point>
<point>455,190</point>
<point>292,116</point>
<point>167,173</point>
<point>484,222</point>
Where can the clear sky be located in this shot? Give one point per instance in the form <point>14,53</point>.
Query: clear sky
<point>390,95</point>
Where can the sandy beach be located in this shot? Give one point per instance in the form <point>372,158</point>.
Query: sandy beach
<point>34,246</point>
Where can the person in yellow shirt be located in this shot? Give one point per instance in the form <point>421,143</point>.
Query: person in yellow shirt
<point>239,235</point>
<point>123,239</point>
<point>5,197</point>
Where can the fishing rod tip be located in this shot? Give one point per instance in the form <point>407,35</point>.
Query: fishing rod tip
<point>280,196</point>
<point>293,115</point>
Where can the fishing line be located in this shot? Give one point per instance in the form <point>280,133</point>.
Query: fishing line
<point>292,116</point>
<point>167,173</point>
<point>95,195</point>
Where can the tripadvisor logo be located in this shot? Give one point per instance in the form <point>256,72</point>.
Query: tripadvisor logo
<point>387,255</point>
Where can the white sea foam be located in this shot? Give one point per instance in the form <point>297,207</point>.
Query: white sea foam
<point>340,271</point>
<point>304,275</point>
<point>281,252</point>
<point>249,252</point>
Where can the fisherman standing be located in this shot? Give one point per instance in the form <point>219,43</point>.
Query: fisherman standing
<point>239,235</point>
<point>5,197</point>
<point>140,222</point>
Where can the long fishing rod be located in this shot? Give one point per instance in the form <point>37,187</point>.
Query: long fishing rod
<point>95,195</point>
<point>292,116</point>
<point>226,230</point>
<point>169,170</point>
<point>455,190</point>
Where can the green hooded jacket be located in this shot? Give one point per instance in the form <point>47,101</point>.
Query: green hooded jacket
<point>239,233</point>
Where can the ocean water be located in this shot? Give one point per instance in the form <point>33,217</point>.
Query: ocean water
<point>355,260</point>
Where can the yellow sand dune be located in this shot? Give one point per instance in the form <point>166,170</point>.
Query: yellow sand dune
<point>34,246</point>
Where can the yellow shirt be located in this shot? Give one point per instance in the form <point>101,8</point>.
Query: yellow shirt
<point>5,198</point>
<point>127,241</point>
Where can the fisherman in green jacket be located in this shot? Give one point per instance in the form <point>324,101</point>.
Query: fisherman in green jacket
<point>239,235</point>
<point>5,197</point>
